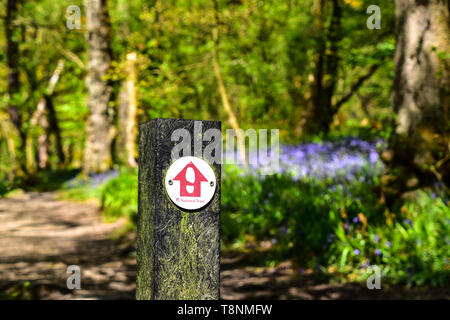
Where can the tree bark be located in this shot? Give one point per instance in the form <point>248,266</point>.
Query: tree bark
<point>327,63</point>
<point>7,131</point>
<point>127,113</point>
<point>12,59</point>
<point>44,137</point>
<point>419,149</point>
<point>97,156</point>
<point>45,116</point>
<point>55,129</point>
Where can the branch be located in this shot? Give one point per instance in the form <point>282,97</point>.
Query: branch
<point>49,91</point>
<point>440,179</point>
<point>355,87</point>
<point>72,56</point>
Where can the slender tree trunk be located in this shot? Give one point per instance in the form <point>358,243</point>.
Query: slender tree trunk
<point>55,129</point>
<point>97,156</point>
<point>332,63</point>
<point>45,116</point>
<point>44,138</point>
<point>419,150</point>
<point>7,131</point>
<point>314,122</point>
<point>223,93</point>
<point>127,113</point>
<point>325,76</point>
<point>12,61</point>
<point>127,130</point>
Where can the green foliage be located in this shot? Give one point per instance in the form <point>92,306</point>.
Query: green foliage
<point>81,188</point>
<point>3,187</point>
<point>119,196</point>
<point>342,230</point>
<point>299,214</point>
<point>337,230</point>
<point>412,247</point>
<point>82,193</point>
<point>20,291</point>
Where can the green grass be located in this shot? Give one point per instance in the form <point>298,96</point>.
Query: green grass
<point>119,197</point>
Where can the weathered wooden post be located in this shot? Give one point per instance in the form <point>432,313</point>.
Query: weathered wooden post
<point>178,241</point>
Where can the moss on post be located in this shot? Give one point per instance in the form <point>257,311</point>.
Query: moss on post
<point>178,251</point>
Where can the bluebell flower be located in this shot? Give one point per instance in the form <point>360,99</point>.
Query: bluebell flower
<point>378,252</point>
<point>373,157</point>
<point>345,159</point>
<point>407,221</point>
<point>356,252</point>
<point>410,273</point>
<point>355,220</point>
<point>346,226</point>
<point>330,238</point>
<point>376,238</point>
<point>284,230</point>
<point>388,244</point>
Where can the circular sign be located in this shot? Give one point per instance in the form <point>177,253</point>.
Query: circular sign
<point>190,183</point>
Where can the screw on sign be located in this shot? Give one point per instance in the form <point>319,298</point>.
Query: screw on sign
<point>190,183</point>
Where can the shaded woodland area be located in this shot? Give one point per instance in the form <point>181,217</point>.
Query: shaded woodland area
<point>363,115</point>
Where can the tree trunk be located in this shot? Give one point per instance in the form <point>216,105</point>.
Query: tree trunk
<point>12,61</point>
<point>55,129</point>
<point>223,93</point>
<point>325,77</point>
<point>127,113</point>
<point>7,131</point>
<point>127,130</point>
<point>45,116</point>
<point>419,149</point>
<point>317,89</point>
<point>44,137</point>
<point>97,156</point>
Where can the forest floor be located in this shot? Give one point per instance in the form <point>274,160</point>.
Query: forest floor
<point>40,236</point>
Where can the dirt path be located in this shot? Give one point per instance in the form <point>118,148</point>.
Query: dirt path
<point>40,236</point>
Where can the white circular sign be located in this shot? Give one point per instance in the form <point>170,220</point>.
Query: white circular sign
<point>190,183</point>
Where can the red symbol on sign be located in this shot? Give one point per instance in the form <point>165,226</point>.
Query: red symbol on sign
<point>184,183</point>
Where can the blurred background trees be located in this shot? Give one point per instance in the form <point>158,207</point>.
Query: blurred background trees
<point>305,67</point>
<point>73,97</point>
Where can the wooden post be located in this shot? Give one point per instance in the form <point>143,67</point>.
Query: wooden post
<point>178,250</point>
